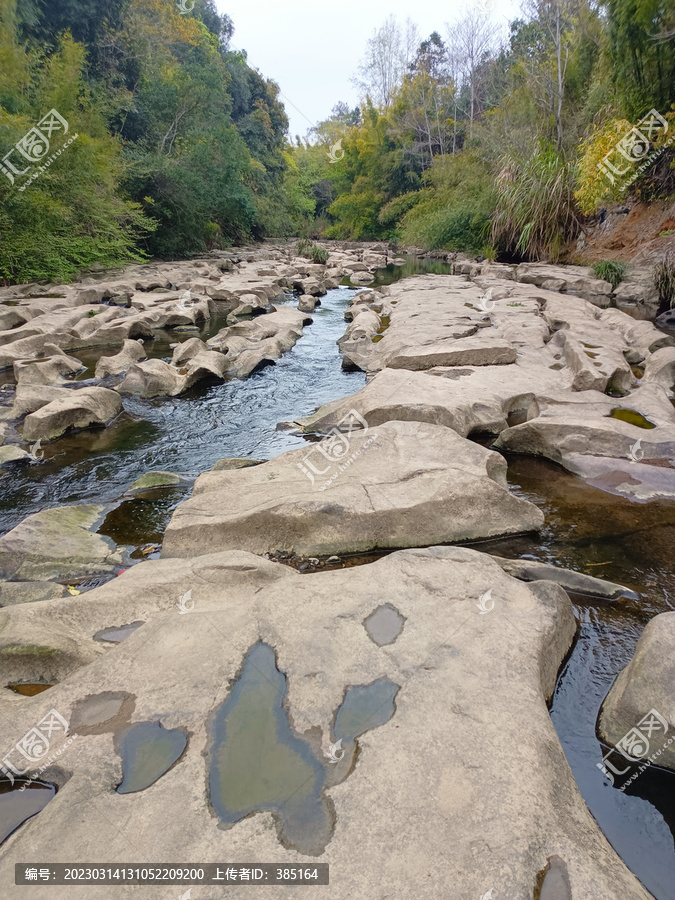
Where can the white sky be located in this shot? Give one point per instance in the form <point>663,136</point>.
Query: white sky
<point>312,48</point>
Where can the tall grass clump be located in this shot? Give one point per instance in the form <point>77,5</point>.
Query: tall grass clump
<point>664,279</point>
<point>536,213</point>
<point>610,270</point>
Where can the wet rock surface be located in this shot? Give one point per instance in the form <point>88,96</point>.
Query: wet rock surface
<point>646,686</point>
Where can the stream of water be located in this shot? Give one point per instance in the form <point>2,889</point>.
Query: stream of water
<point>586,530</point>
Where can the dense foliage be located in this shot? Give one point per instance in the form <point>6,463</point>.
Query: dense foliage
<point>181,145</point>
<point>487,141</point>
<point>478,138</point>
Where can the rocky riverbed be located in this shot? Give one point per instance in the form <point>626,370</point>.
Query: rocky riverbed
<point>402,669</point>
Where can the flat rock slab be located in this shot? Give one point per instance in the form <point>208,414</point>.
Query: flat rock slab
<point>577,429</point>
<point>402,484</point>
<point>640,482</point>
<point>435,775</point>
<point>465,398</point>
<point>57,544</point>
<point>647,683</point>
<point>14,592</point>
<point>478,350</point>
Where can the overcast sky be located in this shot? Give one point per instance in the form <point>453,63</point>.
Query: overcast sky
<point>311,49</point>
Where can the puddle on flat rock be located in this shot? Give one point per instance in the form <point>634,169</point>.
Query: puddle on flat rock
<point>148,751</point>
<point>259,763</point>
<point>366,706</point>
<point>16,805</point>
<point>553,882</point>
<point>632,416</point>
<point>384,625</point>
<point>29,690</point>
<point>118,633</point>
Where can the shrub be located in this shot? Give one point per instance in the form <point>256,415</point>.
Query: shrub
<point>610,270</point>
<point>453,212</point>
<point>310,251</point>
<point>319,255</point>
<point>664,279</point>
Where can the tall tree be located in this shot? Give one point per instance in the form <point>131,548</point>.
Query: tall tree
<point>389,53</point>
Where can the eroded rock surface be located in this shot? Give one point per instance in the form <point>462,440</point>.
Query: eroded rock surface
<point>178,669</point>
<point>400,484</point>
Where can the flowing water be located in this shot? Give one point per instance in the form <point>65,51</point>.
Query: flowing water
<point>586,530</point>
<point>607,536</point>
<point>186,435</point>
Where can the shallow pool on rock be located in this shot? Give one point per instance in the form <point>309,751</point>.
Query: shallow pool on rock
<point>259,763</point>
<point>148,751</point>
<point>16,805</point>
<point>117,633</point>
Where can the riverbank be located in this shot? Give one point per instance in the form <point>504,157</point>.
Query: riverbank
<point>433,364</point>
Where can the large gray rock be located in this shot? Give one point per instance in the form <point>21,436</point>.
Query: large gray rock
<point>432,763</point>
<point>258,342</point>
<point>647,683</point>
<point>588,423</point>
<point>467,399</point>
<point>57,544</point>
<point>57,368</point>
<point>152,378</point>
<point>402,484</point>
<point>131,353</point>
<point>81,408</point>
<point>577,582</point>
<point>15,592</point>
